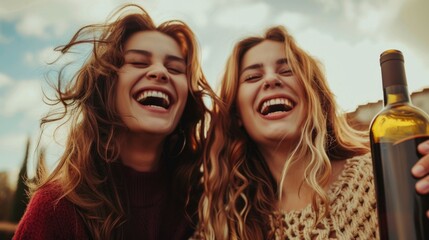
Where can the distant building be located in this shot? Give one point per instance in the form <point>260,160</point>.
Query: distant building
<point>361,118</point>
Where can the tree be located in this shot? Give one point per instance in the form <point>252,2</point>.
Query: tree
<point>41,170</point>
<point>21,198</point>
<point>6,196</point>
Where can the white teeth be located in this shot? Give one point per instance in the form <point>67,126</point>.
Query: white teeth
<point>153,93</point>
<point>276,101</point>
<point>155,106</point>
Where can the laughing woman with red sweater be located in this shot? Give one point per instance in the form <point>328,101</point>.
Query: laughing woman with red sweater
<point>136,115</point>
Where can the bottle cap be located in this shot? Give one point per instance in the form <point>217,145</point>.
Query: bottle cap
<point>392,68</point>
<point>391,54</point>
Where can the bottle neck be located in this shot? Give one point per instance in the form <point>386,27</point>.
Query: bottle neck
<point>396,94</point>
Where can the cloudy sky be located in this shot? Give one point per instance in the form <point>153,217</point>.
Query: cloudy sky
<point>347,36</point>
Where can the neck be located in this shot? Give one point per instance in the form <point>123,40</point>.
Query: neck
<point>295,193</point>
<point>277,158</point>
<point>141,152</point>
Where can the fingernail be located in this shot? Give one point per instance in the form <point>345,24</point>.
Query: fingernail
<point>423,186</point>
<point>418,170</point>
<point>424,146</point>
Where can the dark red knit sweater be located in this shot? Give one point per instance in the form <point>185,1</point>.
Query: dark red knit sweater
<point>151,214</point>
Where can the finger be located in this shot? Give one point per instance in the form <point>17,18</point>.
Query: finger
<point>421,168</point>
<point>423,147</point>
<point>422,186</point>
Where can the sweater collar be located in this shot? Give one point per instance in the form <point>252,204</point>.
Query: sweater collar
<point>142,189</point>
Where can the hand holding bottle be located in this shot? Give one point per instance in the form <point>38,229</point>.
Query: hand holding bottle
<point>421,170</point>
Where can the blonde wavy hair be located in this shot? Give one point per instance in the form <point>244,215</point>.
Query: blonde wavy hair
<point>87,103</point>
<point>239,190</point>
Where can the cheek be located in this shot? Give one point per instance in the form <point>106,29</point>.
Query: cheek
<point>241,98</point>
<point>182,88</point>
<point>302,115</point>
<point>120,86</point>
<point>244,100</point>
<point>121,83</point>
<point>129,76</point>
<point>244,109</point>
<point>122,96</point>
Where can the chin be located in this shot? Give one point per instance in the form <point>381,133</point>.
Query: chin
<point>281,135</point>
<point>154,129</point>
<point>159,130</point>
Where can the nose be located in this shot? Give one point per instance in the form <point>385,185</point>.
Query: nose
<point>272,82</point>
<point>158,73</point>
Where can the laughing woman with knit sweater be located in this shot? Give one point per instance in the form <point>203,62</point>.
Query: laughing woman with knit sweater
<point>136,116</point>
<point>281,162</point>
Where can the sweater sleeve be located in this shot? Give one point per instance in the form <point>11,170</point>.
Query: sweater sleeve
<point>47,218</point>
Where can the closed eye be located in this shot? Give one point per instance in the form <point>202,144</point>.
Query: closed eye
<point>175,66</point>
<point>139,64</point>
<point>176,69</point>
<point>252,77</point>
<point>286,72</point>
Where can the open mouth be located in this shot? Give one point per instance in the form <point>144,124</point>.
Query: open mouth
<point>153,98</point>
<point>276,105</point>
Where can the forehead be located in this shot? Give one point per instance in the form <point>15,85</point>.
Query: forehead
<point>266,52</point>
<point>154,42</point>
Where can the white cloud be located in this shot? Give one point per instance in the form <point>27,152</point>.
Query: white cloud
<point>349,68</point>
<point>371,19</point>
<point>42,57</point>
<point>409,26</point>
<point>53,139</point>
<point>371,16</point>
<point>292,20</point>
<point>4,80</point>
<point>13,142</point>
<point>250,16</point>
<point>50,18</point>
<point>33,25</point>
<point>191,11</point>
<point>25,97</point>
<point>416,69</point>
<point>353,70</point>
<point>210,66</point>
<point>329,5</point>
<point>30,58</point>
<point>12,147</point>
<point>206,52</point>
<point>349,9</point>
<point>9,8</point>
<point>367,16</point>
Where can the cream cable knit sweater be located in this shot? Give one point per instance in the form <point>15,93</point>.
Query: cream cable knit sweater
<point>352,215</point>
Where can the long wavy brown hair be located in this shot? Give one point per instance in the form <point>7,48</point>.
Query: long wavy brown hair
<point>86,102</point>
<point>239,190</point>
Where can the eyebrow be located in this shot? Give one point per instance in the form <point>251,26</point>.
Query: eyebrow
<point>138,51</point>
<point>253,66</point>
<point>280,61</point>
<point>168,57</point>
